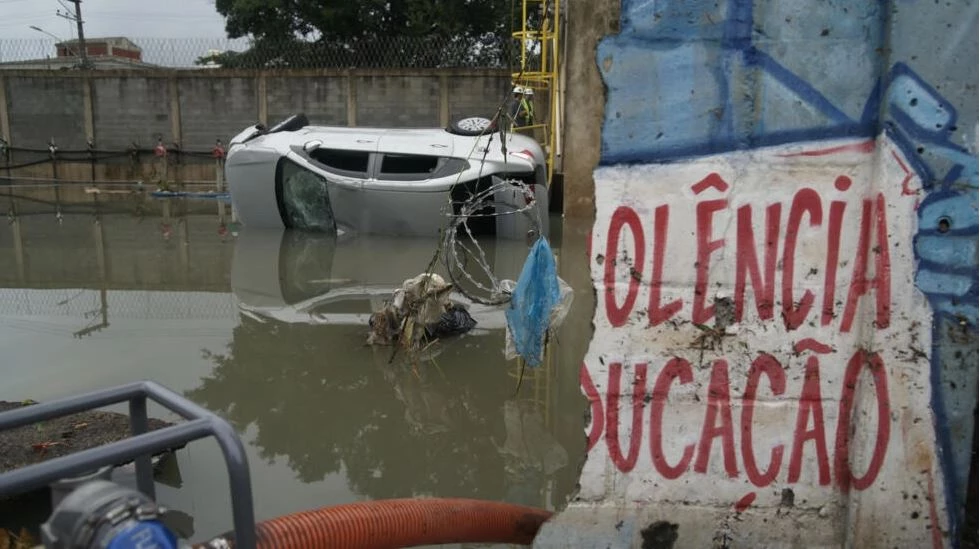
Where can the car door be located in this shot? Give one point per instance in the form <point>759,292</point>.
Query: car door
<point>412,191</point>
<point>346,165</point>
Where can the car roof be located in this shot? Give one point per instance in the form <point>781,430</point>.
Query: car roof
<point>395,140</point>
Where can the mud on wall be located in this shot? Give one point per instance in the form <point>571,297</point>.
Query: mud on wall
<point>785,263</point>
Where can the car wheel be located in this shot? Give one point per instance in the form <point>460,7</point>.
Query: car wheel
<point>472,125</point>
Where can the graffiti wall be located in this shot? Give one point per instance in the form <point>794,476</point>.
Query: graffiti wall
<point>785,264</point>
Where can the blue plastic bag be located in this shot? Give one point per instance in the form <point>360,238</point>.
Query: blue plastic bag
<point>536,294</point>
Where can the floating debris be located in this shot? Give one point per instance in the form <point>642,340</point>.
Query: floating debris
<point>418,313</point>
<point>538,305</point>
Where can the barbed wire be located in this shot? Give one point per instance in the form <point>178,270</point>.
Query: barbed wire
<point>486,51</point>
<point>479,205</point>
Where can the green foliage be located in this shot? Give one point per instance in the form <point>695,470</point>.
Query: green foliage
<point>342,19</point>
<point>368,33</point>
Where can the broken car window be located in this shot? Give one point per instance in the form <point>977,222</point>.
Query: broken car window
<point>303,199</point>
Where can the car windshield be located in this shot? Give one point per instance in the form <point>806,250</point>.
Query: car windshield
<point>303,199</point>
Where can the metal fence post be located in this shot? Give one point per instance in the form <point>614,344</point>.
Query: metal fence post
<point>140,424</point>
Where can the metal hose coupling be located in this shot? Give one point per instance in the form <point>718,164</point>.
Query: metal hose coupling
<point>105,515</point>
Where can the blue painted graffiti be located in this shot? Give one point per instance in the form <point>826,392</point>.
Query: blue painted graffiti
<point>921,123</point>
<point>688,78</point>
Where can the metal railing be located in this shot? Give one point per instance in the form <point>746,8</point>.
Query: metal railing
<point>139,447</point>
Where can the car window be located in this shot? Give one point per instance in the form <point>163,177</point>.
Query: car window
<point>342,162</point>
<point>302,198</point>
<point>416,167</point>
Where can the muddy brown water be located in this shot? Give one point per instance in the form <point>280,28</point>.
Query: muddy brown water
<point>268,330</point>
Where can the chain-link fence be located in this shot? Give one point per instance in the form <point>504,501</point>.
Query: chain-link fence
<point>487,51</point>
<point>87,304</point>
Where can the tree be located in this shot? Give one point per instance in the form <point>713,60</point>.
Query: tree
<point>368,32</point>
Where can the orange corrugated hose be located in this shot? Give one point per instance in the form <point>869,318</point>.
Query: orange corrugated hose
<point>395,523</point>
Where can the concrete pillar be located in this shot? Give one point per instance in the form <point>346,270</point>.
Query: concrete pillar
<point>88,105</point>
<point>351,100</point>
<point>175,129</point>
<point>219,186</point>
<point>100,251</point>
<point>587,21</point>
<point>19,249</point>
<point>184,246</point>
<point>263,93</point>
<point>174,90</point>
<point>443,100</point>
<point>4,115</point>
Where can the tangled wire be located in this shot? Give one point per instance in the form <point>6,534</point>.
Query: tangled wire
<point>457,253</point>
<point>460,250</point>
<point>421,311</point>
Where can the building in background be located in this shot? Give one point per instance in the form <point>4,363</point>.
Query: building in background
<point>112,52</point>
<point>112,47</point>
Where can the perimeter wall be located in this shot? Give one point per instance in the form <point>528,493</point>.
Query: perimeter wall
<point>784,256</point>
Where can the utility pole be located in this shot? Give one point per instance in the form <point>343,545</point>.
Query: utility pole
<point>77,18</point>
<point>81,33</point>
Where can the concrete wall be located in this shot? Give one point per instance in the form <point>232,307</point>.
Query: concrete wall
<point>195,108</point>
<point>478,96</point>
<point>214,109</point>
<point>41,108</point>
<point>125,110</point>
<point>586,23</point>
<point>321,97</point>
<point>785,260</point>
<point>392,101</point>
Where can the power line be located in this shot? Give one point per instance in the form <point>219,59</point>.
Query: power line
<point>21,18</point>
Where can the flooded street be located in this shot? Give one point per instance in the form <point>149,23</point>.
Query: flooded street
<point>268,329</point>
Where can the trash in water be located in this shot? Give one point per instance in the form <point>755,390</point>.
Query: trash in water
<point>418,313</point>
<point>539,302</point>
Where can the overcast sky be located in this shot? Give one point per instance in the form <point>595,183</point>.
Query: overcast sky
<point>134,19</point>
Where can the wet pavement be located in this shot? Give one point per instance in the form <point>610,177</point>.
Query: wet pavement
<point>268,329</point>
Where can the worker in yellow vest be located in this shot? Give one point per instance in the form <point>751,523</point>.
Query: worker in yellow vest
<point>522,106</point>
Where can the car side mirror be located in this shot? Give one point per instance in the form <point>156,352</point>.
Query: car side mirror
<point>310,145</point>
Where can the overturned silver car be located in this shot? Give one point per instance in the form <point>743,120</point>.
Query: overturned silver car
<point>387,181</point>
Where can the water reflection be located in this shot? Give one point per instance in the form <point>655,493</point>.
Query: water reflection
<point>269,330</point>
<point>299,370</point>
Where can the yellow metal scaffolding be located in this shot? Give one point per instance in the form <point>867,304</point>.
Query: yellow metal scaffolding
<point>539,70</point>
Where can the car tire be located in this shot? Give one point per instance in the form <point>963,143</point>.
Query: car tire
<point>472,125</point>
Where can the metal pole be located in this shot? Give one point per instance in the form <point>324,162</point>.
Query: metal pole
<point>81,33</point>
<point>144,467</point>
<point>44,473</point>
